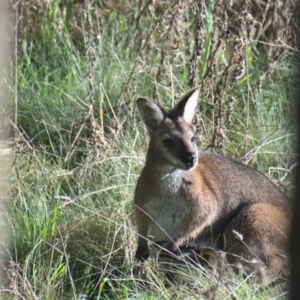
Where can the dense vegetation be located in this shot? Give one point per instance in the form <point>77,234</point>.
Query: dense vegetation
<point>79,145</point>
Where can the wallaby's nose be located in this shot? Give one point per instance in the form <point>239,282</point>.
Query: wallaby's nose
<point>189,158</point>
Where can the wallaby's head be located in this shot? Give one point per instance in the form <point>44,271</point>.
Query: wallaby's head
<point>172,141</point>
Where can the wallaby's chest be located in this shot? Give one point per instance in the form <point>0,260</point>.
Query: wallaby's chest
<point>167,208</point>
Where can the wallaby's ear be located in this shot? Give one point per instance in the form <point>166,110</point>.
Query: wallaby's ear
<point>151,113</point>
<point>187,106</point>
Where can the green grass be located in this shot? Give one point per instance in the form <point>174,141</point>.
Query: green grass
<point>70,224</point>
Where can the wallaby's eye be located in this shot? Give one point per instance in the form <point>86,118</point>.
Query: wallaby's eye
<point>168,142</point>
<point>193,140</point>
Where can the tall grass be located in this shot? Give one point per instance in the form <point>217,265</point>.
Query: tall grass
<point>70,231</point>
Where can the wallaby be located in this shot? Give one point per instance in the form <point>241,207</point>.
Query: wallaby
<point>188,197</point>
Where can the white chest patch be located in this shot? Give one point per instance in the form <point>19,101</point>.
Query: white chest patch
<point>167,209</point>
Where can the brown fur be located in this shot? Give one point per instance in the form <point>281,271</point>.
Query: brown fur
<point>205,200</point>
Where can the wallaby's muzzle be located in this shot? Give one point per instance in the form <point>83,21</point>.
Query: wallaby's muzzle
<point>189,159</point>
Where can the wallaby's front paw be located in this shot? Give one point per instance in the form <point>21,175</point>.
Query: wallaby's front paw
<point>142,254</point>
<point>171,247</point>
<point>169,250</point>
